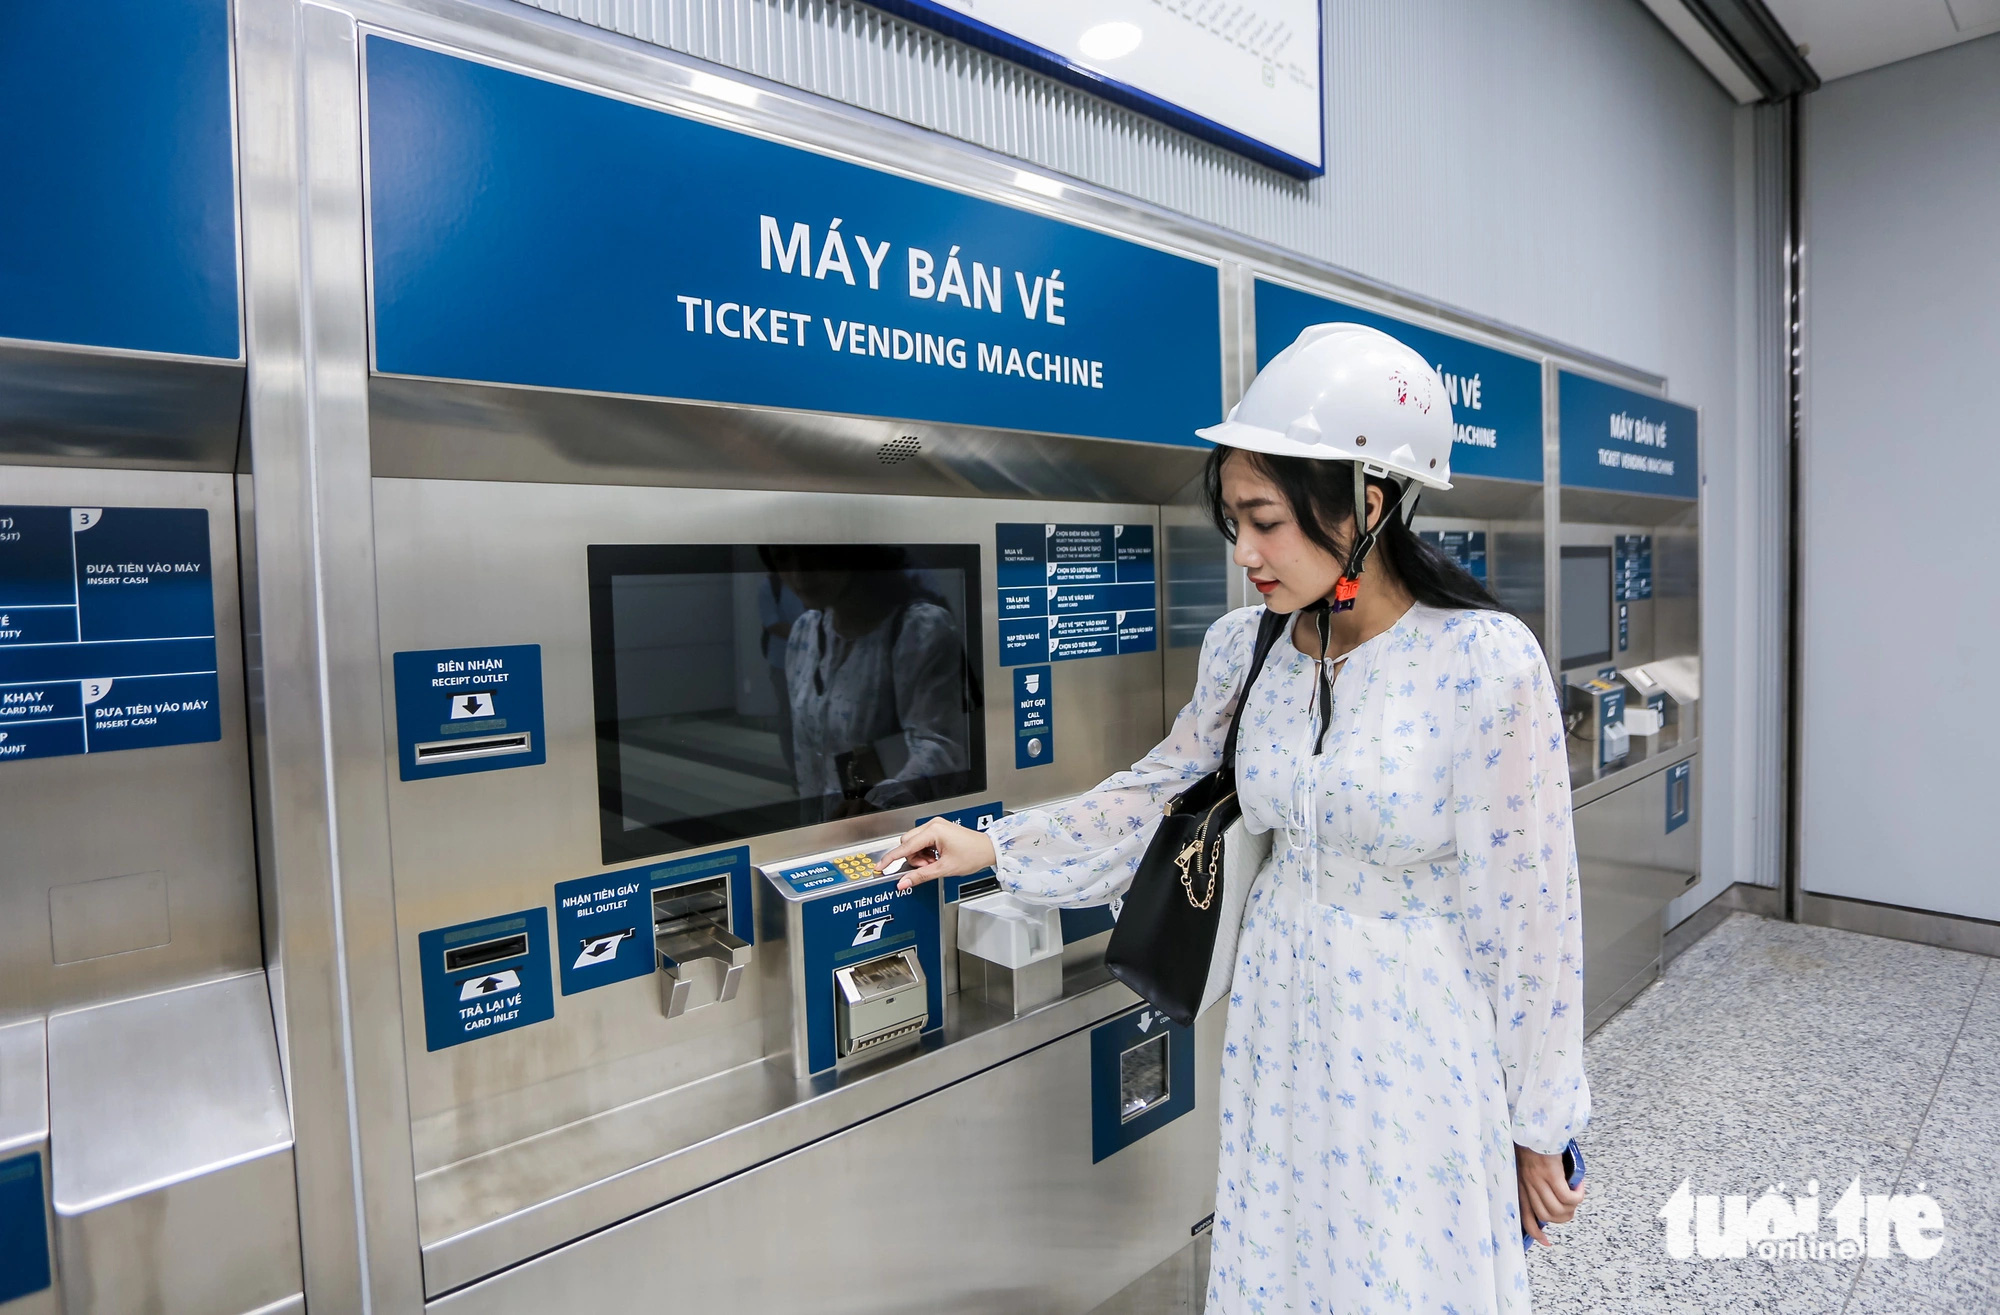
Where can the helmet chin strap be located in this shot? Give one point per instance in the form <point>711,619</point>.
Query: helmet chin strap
<point>1348,587</point>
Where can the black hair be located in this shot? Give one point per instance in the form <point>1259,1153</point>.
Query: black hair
<point>1321,497</point>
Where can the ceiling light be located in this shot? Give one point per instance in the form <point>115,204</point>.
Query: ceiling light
<point>1110,40</point>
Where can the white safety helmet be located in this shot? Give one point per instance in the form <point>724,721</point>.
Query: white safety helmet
<point>1346,392</point>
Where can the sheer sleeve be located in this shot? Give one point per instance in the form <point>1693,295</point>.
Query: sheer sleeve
<point>1084,851</point>
<point>1517,865</point>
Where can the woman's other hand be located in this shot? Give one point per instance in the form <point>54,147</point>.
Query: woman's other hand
<point>1546,1196</point>
<point>940,849</point>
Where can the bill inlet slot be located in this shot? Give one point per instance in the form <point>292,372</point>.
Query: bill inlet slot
<point>701,962</point>
<point>880,1003</point>
<point>477,746</point>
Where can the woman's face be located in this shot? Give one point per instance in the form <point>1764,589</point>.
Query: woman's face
<point>1288,569</point>
<point>818,590</point>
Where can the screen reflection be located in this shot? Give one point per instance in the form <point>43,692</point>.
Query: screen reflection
<point>748,689</point>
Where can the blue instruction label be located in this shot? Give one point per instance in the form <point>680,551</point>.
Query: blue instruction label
<point>853,926</point>
<point>604,924</point>
<point>1632,567</point>
<point>1141,1078</point>
<point>1076,591</point>
<point>464,710</point>
<point>1678,789</point>
<point>604,929</point>
<point>1034,734</point>
<point>485,977</point>
<point>24,1227</point>
<point>1466,547</point>
<point>107,630</point>
<point>1610,712</point>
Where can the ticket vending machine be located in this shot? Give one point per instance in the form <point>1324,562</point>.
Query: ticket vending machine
<point>146,1156</point>
<point>673,641</point>
<point>1630,665</point>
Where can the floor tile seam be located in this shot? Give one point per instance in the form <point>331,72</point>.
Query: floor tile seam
<point>1916,1136</point>
<point>1930,1102</point>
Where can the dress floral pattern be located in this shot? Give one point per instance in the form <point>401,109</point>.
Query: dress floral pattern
<point>1407,1000</point>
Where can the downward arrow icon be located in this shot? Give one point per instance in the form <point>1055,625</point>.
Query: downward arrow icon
<point>472,703</point>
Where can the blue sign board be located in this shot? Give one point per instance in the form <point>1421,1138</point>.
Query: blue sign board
<point>1620,441</point>
<point>464,710</point>
<point>1034,730</point>
<point>24,1228</point>
<point>1496,397</point>
<point>1217,86</point>
<point>525,232</point>
<point>107,630</point>
<point>865,922</point>
<point>1141,1078</point>
<point>1678,789</point>
<point>119,228</point>
<point>1076,591</point>
<point>485,977</point>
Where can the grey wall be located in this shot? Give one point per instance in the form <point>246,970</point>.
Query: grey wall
<point>1902,341</point>
<point>1562,165</point>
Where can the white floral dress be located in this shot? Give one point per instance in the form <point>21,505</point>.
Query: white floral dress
<point>1407,1003</point>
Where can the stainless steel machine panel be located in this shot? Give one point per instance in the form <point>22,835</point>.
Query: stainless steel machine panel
<point>28,1287</point>
<point>132,871</point>
<point>981,1197</point>
<point>173,1182</point>
<point>464,563</point>
<point>1632,866</point>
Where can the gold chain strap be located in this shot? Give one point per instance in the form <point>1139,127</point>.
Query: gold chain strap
<point>1195,847</point>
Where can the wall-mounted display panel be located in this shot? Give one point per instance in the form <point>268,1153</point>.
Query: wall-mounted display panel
<point>119,229</point>
<point>1244,76</point>
<point>528,233</point>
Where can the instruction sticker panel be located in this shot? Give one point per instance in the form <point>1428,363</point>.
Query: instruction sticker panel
<point>604,924</point>
<point>464,710</point>
<point>107,630</point>
<point>1034,730</point>
<point>1466,547</point>
<point>481,978</point>
<point>1076,591</point>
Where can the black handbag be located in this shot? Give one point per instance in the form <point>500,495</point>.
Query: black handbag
<point>1163,944</point>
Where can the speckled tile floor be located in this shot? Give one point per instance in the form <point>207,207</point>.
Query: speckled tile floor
<point>1770,1055</point>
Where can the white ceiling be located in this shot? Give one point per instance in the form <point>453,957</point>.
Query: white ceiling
<point>1848,36</point>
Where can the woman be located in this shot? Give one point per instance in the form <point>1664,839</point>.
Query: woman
<point>1403,1052</point>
